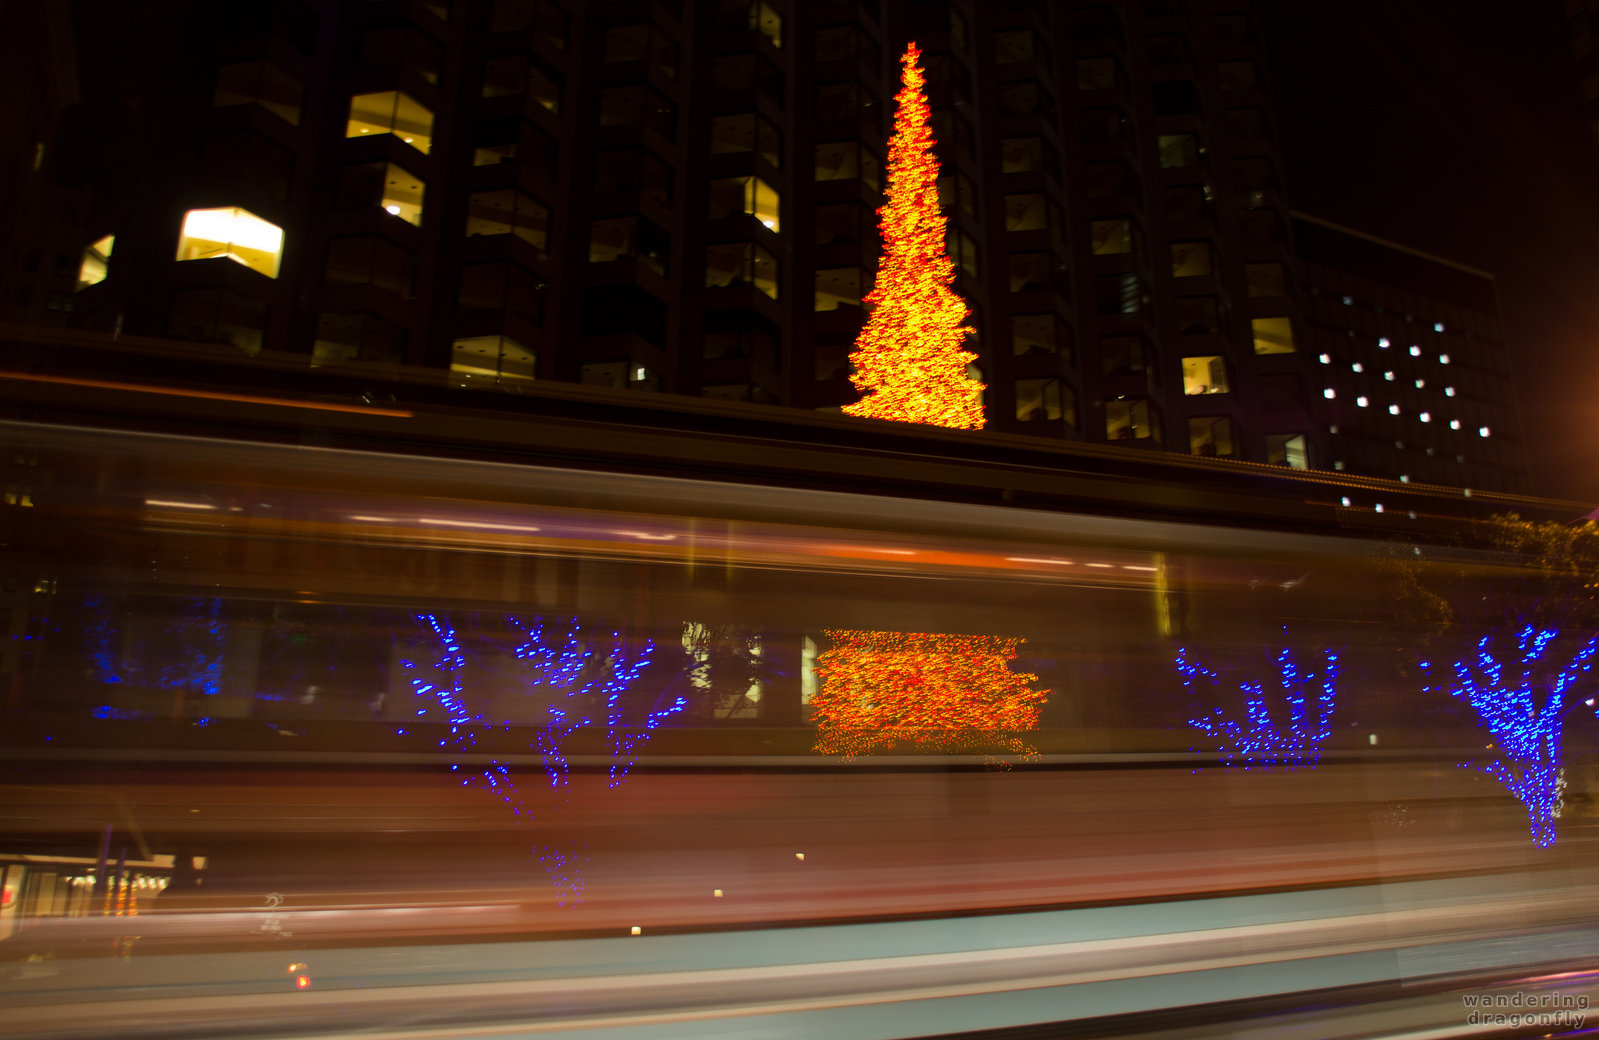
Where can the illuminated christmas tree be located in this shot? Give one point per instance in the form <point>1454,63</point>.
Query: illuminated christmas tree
<point>909,365</point>
<point>935,692</point>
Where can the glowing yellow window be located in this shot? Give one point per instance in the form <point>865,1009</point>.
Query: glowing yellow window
<point>1204,375</point>
<point>96,262</point>
<point>749,195</point>
<point>477,360</point>
<point>391,112</point>
<point>235,233</point>
<point>1273,335</point>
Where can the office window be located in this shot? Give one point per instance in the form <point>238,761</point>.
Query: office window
<point>218,316</point>
<point>730,196</point>
<point>838,100</point>
<point>1177,150</point>
<point>95,263</point>
<point>231,232</point>
<point>1017,45</point>
<point>1039,334</point>
<point>1102,125</point>
<point>845,43</point>
<point>391,188</point>
<point>1126,355</point>
<point>1032,212</point>
<point>508,212</point>
<point>831,358</point>
<point>1266,280</point>
<point>962,250</point>
<point>620,375</point>
<point>1186,202</point>
<point>247,157</point>
<point>1198,315</point>
<point>1132,419</point>
<point>642,43</point>
<point>1120,294</point>
<point>1022,155</point>
<point>1287,449</point>
<point>953,133</point>
<point>740,333</point>
<point>1236,75</point>
<point>1097,73</point>
<point>1168,50</point>
<point>500,285</point>
<point>1273,335</point>
<point>838,287</point>
<point>639,106</point>
<point>1260,226</point>
<point>1046,399</point>
<point>1190,259</point>
<point>747,132</point>
<point>618,238</point>
<point>1242,124</point>
<point>1031,272</point>
<point>544,18</point>
<point>748,75</point>
<point>845,161</point>
<point>401,48</point>
<point>947,78</point>
<point>1205,375</point>
<point>1282,392</point>
<point>491,361</point>
<point>1175,97</point>
<point>357,336</point>
<point>1113,237</point>
<point>1212,436</point>
<point>1026,97</point>
<point>741,263</point>
<point>515,74</point>
<point>841,222</point>
<point>391,112</point>
<point>955,190</point>
<point>634,169</point>
<point>1105,180</point>
<point>370,260</point>
<point>260,83</point>
<point>1256,173</point>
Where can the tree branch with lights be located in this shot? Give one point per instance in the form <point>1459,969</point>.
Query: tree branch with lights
<point>1258,740</point>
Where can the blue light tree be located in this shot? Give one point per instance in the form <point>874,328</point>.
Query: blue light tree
<point>585,678</point>
<point>1525,717</point>
<point>1258,740</point>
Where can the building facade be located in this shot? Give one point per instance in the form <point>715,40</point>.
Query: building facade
<point>679,196</point>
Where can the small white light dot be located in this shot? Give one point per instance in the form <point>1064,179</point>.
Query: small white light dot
<point>1426,417</point>
<point>1362,402</point>
<point>1404,478</point>
<point>637,930</point>
<point>393,209</point>
<point>1382,341</point>
<point>1329,393</point>
<point>1420,383</point>
<point>1393,409</point>
<point>1437,326</point>
<point>1449,391</point>
<point>1482,431</point>
<point>1415,351</point>
<point>799,856</point>
<point>1345,501</point>
<point>1379,507</point>
<point>1443,359</point>
<point>1454,424</point>
<point>1358,367</point>
<point>1388,376</point>
<point>1349,301</point>
<point>1325,359</point>
<point>716,893</point>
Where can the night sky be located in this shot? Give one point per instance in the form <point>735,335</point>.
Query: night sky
<point>1456,127</point>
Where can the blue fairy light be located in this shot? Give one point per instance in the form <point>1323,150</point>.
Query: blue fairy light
<point>1257,741</point>
<point>1526,721</point>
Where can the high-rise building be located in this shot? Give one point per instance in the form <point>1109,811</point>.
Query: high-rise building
<point>679,196</point>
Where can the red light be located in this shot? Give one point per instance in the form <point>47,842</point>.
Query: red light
<point>5,897</point>
<point>302,981</point>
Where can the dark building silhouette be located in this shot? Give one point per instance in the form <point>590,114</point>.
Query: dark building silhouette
<point>679,196</point>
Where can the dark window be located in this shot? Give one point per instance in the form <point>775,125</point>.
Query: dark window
<point>1126,355</point>
<point>946,74</point>
<point>740,334</point>
<point>502,286</point>
<point>1095,23</point>
<point>401,48</point>
<point>1097,73</point>
<point>638,106</point>
<point>1186,202</point>
<point>249,158</point>
<point>741,263</point>
<point>370,260</point>
<point>1266,280</point>
<point>954,132</point>
<point>956,191</point>
<point>1168,50</point>
<point>1242,124</point>
<point>1282,392</point>
<point>838,100</point>
<point>1046,399</point>
<point>641,43</point>
<point>624,308</point>
<point>842,222</point>
<point>1040,334</point>
<point>1236,75</point>
<point>619,238</point>
<point>218,316</point>
<point>358,336</point>
<point>1120,294</point>
<point>747,133</point>
<point>1018,45</point>
<point>1175,97</point>
<point>544,18</point>
<point>843,43</point>
<point>260,83</point>
<point>1255,173</point>
<point>1198,315</point>
<point>1109,180</point>
<point>838,287</point>
<point>634,169</point>
<point>846,161</point>
<point>508,212</point>
<point>1035,272</point>
<point>1025,97</point>
<point>1099,125</point>
<point>748,75</point>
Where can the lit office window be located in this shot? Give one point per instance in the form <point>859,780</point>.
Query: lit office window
<point>749,195</point>
<point>231,232</point>
<point>391,112</point>
<point>1272,335</point>
<point>96,262</point>
<point>491,361</point>
<point>741,263</point>
<point>1287,449</point>
<point>1204,375</point>
<point>508,212</point>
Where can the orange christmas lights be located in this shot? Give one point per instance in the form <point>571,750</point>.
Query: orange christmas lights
<point>909,366</point>
<point>933,692</point>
